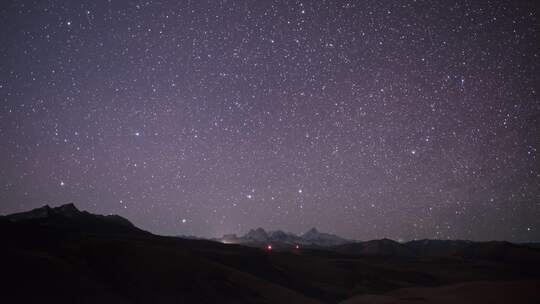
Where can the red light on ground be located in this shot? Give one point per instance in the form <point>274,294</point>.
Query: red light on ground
<point>269,247</point>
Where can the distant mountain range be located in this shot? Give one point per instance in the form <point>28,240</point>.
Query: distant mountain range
<point>68,220</point>
<point>497,251</point>
<point>258,237</point>
<point>427,248</point>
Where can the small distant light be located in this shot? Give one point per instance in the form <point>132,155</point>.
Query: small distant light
<point>297,247</point>
<point>269,247</point>
<point>184,221</point>
<point>137,134</point>
<point>62,183</point>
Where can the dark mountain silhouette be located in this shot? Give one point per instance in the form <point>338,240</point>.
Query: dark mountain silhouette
<point>435,248</point>
<point>70,220</point>
<point>487,251</point>
<point>63,255</point>
<point>384,247</point>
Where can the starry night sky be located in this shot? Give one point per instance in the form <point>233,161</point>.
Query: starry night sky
<point>368,119</point>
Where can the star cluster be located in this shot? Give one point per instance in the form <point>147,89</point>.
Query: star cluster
<point>369,119</point>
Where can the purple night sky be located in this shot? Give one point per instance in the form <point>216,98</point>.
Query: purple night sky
<point>368,119</point>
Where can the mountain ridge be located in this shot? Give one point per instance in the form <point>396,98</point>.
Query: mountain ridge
<point>69,218</point>
<point>259,236</point>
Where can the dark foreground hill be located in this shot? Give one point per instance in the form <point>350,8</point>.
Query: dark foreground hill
<point>63,255</point>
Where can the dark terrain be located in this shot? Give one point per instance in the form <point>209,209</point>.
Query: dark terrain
<point>63,255</point>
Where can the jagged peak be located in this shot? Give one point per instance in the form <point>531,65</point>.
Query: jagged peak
<point>36,213</point>
<point>69,214</point>
<point>46,211</point>
<point>257,234</point>
<point>257,230</point>
<point>67,209</point>
<point>277,232</point>
<point>312,231</point>
<point>68,206</point>
<point>43,208</point>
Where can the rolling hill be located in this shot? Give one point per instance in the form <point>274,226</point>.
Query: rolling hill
<point>64,255</point>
